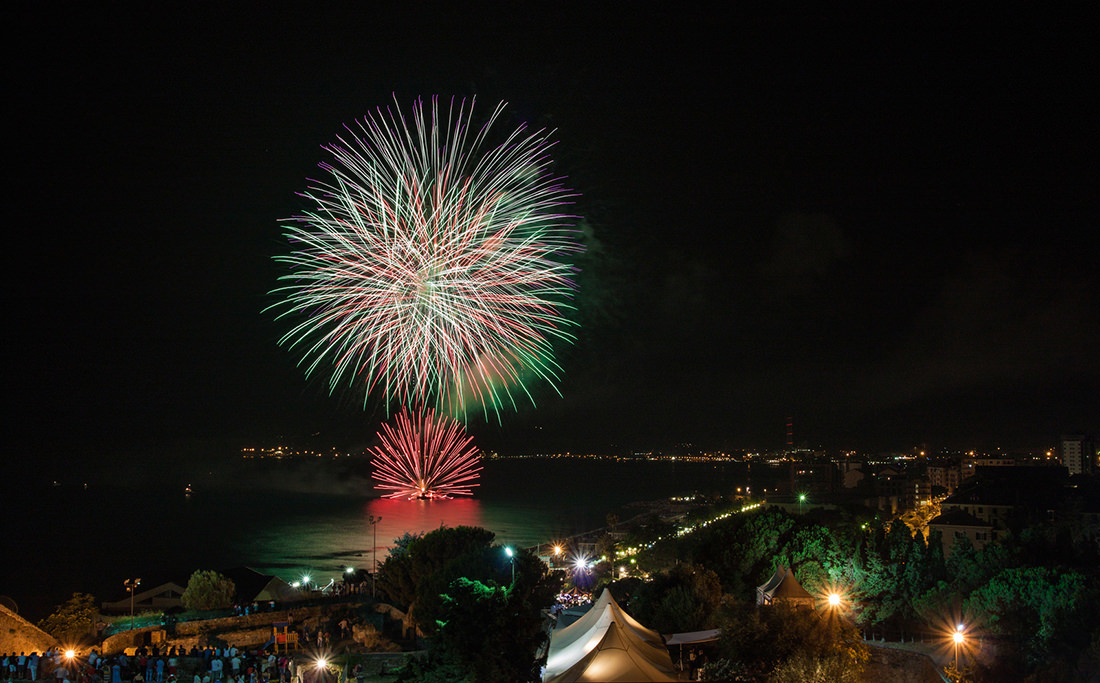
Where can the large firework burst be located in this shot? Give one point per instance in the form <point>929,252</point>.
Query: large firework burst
<point>433,268</point>
<point>427,455</point>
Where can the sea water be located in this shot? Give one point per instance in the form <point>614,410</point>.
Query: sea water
<point>289,521</point>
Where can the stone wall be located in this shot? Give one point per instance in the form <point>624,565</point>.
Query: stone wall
<point>19,635</point>
<point>248,631</point>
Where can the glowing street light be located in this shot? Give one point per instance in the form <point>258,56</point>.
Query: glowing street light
<point>834,599</point>
<point>958,637</point>
<point>801,500</point>
<point>512,557</point>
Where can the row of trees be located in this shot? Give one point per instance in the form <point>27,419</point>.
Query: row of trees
<point>1036,591</point>
<point>75,620</point>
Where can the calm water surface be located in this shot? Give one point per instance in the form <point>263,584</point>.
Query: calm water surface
<point>65,539</point>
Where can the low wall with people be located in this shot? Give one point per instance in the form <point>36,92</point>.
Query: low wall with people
<point>246,631</point>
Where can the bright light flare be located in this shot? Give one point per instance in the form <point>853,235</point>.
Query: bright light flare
<point>432,265</point>
<point>426,455</point>
<point>69,654</point>
<point>834,599</point>
<point>958,637</point>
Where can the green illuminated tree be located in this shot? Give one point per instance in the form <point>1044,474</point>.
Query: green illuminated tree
<point>787,640</point>
<point>207,589</point>
<point>685,598</point>
<point>490,632</point>
<point>1038,606</point>
<point>72,620</point>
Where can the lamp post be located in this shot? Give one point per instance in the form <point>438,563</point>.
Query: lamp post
<point>131,585</point>
<point>373,521</point>
<point>958,637</point>
<point>512,557</point>
<point>801,500</point>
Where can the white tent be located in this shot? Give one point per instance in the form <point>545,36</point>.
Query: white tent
<point>783,587</point>
<point>607,644</point>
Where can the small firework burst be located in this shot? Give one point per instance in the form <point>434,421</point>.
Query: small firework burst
<point>425,455</point>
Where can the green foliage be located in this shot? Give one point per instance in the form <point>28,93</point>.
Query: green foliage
<point>649,530</point>
<point>685,598</point>
<point>1037,586</point>
<point>762,640</point>
<point>1037,605</point>
<point>207,589</point>
<point>418,575</point>
<point>489,632</point>
<point>416,559</point>
<point>458,585</point>
<point>72,620</point>
<point>802,668</point>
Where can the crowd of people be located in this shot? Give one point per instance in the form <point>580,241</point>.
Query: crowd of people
<point>149,665</point>
<point>52,664</point>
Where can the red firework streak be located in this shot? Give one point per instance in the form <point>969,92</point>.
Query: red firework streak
<point>425,455</point>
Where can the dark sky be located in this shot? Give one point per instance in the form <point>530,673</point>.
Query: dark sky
<point>883,226</point>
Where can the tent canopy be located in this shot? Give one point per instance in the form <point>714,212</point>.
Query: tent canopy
<point>693,637</point>
<point>607,644</point>
<point>782,586</point>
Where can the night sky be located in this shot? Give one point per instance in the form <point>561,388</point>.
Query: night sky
<point>883,226</point>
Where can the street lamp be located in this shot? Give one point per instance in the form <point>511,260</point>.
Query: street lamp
<point>131,585</point>
<point>512,557</point>
<point>801,500</point>
<point>958,637</point>
<point>834,599</point>
<point>373,521</point>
